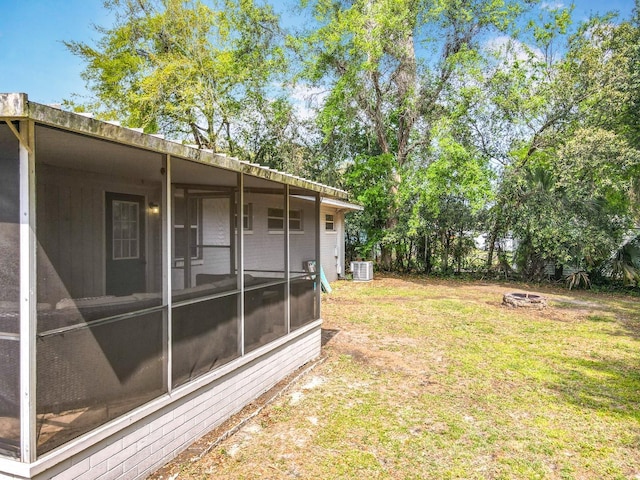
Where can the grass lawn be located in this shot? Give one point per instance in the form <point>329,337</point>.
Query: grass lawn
<point>434,379</point>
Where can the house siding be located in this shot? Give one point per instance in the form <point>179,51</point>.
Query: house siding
<point>332,244</point>
<point>259,240</point>
<point>263,250</point>
<point>302,247</point>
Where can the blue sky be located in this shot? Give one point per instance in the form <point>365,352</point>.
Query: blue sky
<point>33,59</point>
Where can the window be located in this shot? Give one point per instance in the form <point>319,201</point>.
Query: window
<point>329,223</point>
<point>125,230</point>
<point>247,217</point>
<point>180,232</point>
<point>275,219</point>
<point>295,220</point>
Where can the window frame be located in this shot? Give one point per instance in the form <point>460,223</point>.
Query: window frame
<point>299,220</point>
<point>179,260</point>
<point>272,214</point>
<point>247,218</point>
<point>332,222</point>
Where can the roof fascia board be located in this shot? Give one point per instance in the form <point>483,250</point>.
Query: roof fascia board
<point>337,204</point>
<point>342,205</point>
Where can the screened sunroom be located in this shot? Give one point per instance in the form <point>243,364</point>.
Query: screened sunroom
<point>143,284</point>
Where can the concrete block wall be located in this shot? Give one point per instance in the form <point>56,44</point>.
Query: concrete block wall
<point>146,445</point>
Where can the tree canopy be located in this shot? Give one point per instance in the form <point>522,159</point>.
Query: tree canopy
<point>186,67</point>
<point>451,121</point>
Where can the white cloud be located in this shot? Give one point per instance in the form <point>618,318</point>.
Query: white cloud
<point>307,99</point>
<point>513,49</point>
<point>552,5</point>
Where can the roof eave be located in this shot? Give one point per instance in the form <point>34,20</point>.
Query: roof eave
<point>16,106</point>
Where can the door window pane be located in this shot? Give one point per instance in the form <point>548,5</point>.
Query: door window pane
<point>125,230</point>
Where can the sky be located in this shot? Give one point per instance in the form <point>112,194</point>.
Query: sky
<point>33,59</point>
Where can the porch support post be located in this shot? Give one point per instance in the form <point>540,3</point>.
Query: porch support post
<point>187,235</point>
<point>234,228</point>
<point>240,276</point>
<point>28,300</point>
<point>167,229</point>
<point>287,275</point>
<point>318,259</point>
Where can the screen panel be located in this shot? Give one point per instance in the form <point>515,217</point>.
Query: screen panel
<point>204,231</point>
<point>204,337</point>
<point>303,267</point>
<point>264,264</point>
<point>89,374</point>
<point>9,294</point>
<point>100,317</point>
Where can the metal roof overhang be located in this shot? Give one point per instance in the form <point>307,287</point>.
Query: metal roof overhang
<point>342,205</point>
<point>339,204</point>
<point>17,107</point>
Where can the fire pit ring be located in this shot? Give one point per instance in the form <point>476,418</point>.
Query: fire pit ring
<point>524,300</point>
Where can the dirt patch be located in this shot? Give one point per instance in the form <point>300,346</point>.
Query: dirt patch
<point>328,334</point>
<point>372,353</point>
<point>237,425</point>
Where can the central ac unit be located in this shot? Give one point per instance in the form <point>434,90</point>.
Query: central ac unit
<point>362,271</point>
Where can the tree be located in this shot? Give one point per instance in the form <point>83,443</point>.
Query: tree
<point>369,177</point>
<point>388,63</point>
<point>547,116</point>
<point>631,43</point>
<point>184,67</point>
<point>450,192</point>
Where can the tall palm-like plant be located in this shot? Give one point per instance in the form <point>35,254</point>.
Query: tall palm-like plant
<point>625,263</point>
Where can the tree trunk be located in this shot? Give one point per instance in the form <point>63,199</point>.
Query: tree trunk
<point>459,266</point>
<point>446,243</point>
<point>493,236</point>
<point>409,255</point>
<point>386,250</point>
<point>428,265</point>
